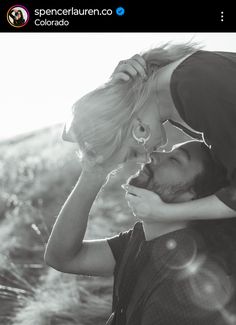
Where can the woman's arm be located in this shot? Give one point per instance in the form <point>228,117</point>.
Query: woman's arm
<point>148,206</point>
<point>209,207</point>
<point>66,250</point>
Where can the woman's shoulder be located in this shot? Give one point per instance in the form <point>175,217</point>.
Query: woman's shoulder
<point>201,69</point>
<point>208,61</point>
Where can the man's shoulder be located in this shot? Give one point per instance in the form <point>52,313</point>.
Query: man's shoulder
<point>125,239</point>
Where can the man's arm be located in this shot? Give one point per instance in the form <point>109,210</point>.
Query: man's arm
<point>66,250</point>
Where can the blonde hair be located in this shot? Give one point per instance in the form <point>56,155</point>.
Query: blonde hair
<point>169,52</point>
<point>102,119</point>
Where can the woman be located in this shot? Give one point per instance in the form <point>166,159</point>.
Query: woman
<point>111,124</point>
<point>18,19</point>
<point>195,92</point>
<point>191,88</point>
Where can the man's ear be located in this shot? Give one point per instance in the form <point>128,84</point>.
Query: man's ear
<point>186,196</point>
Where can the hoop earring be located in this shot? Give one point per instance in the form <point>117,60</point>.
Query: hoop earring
<point>142,140</point>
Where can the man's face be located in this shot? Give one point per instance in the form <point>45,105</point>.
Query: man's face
<point>171,171</point>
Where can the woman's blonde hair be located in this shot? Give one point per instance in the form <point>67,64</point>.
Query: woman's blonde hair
<point>102,119</point>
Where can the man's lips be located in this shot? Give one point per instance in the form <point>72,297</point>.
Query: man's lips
<point>147,170</point>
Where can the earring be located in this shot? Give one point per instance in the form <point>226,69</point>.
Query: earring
<point>141,133</point>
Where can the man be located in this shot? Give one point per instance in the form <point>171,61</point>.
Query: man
<point>163,273</point>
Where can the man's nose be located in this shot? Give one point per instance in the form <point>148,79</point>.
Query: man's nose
<point>159,157</point>
<point>155,158</point>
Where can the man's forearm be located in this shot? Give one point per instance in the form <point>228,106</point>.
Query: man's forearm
<point>69,229</point>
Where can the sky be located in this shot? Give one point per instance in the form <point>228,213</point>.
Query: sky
<point>43,74</point>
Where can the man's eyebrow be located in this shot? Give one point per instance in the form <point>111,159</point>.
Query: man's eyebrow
<point>186,152</point>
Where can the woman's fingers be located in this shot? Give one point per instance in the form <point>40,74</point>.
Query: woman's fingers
<point>138,206</point>
<point>131,200</point>
<point>135,190</point>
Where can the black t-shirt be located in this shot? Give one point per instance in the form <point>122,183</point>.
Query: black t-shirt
<point>177,285</point>
<point>203,88</point>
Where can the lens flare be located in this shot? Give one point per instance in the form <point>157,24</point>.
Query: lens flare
<point>210,287</point>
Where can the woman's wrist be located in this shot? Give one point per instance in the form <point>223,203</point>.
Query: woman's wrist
<point>204,208</point>
<point>169,212</point>
<point>180,211</point>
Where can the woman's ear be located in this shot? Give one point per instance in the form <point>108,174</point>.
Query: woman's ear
<point>140,131</point>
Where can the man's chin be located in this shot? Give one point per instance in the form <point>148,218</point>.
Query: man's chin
<point>163,191</point>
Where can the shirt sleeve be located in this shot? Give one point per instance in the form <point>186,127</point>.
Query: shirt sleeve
<point>119,243</point>
<point>228,195</point>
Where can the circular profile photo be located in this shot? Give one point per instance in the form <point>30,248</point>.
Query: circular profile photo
<point>18,16</point>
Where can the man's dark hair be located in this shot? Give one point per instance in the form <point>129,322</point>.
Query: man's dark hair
<point>219,235</point>
<point>212,178</point>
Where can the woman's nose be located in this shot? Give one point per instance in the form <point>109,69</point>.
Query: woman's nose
<point>144,158</point>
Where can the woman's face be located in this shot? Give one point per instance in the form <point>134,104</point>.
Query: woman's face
<point>150,119</point>
<point>18,15</point>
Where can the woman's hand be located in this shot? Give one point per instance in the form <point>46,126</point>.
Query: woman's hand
<point>146,205</point>
<point>126,69</point>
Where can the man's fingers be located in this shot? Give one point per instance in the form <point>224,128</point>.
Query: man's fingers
<point>121,76</point>
<point>138,68</point>
<point>141,60</point>
<point>139,64</point>
<point>130,69</point>
<point>134,66</point>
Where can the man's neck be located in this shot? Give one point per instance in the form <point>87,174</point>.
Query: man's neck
<point>156,229</point>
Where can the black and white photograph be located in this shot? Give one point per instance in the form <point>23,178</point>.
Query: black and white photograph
<point>118,179</point>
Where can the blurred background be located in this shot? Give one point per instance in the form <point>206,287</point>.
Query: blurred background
<point>42,75</point>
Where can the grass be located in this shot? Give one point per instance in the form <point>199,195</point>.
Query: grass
<point>37,174</point>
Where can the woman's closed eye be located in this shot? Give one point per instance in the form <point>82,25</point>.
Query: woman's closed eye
<point>132,154</point>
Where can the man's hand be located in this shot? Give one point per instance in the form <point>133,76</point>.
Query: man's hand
<point>131,68</point>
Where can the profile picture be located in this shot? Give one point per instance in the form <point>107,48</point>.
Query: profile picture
<point>18,16</point>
